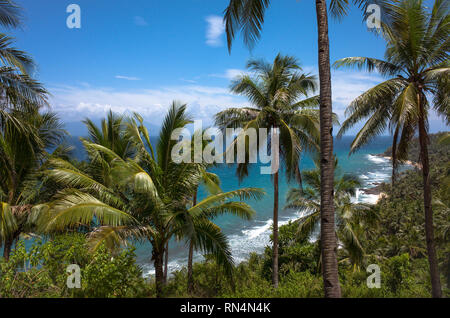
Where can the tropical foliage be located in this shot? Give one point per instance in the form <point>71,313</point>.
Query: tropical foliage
<point>27,132</point>
<point>352,219</point>
<point>56,210</point>
<point>274,91</point>
<point>147,197</point>
<point>247,16</point>
<point>416,66</point>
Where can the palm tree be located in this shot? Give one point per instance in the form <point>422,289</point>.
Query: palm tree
<point>248,17</point>
<point>417,66</point>
<point>146,198</point>
<point>25,138</point>
<point>26,134</point>
<point>274,92</point>
<point>17,87</point>
<point>352,219</point>
<point>111,134</point>
<point>239,209</point>
<point>212,184</point>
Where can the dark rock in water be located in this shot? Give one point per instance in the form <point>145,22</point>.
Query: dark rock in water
<point>387,154</point>
<point>375,190</point>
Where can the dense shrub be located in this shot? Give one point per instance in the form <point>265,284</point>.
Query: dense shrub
<point>40,271</point>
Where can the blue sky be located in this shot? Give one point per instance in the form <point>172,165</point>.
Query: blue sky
<point>141,56</point>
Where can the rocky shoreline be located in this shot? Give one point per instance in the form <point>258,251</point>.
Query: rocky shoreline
<point>377,189</point>
<point>407,162</point>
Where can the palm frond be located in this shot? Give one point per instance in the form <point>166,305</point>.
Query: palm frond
<point>246,16</point>
<point>242,194</point>
<point>10,14</point>
<point>75,208</point>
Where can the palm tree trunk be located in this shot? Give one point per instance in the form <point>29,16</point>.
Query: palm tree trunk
<point>159,273</point>
<point>429,231</point>
<point>190,278</point>
<point>190,282</point>
<point>7,249</point>
<point>394,157</point>
<point>328,236</point>
<point>166,261</point>
<point>275,231</point>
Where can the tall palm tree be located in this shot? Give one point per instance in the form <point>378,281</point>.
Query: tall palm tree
<point>25,133</point>
<point>274,92</point>
<point>23,152</point>
<point>352,219</point>
<point>417,67</point>
<point>247,16</point>
<point>211,183</point>
<point>146,198</point>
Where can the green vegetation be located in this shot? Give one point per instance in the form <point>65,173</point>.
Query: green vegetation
<point>352,219</point>
<point>40,271</point>
<point>395,242</point>
<point>274,92</point>
<point>417,66</point>
<point>247,17</point>
<point>144,197</point>
<point>401,213</point>
<point>130,190</point>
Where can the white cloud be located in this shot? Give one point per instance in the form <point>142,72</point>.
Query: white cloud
<point>346,86</point>
<point>188,80</point>
<point>73,103</point>
<point>215,30</point>
<point>140,21</point>
<point>230,74</point>
<point>128,78</point>
<point>76,103</point>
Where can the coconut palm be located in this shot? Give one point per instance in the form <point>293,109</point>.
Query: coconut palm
<point>17,87</point>
<point>18,90</point>
<point>212,184</point>
<point>111,134</point>
<point>147,198</point>
<point>25,133</point>
<point>352,219</point>
<point>239,209</point>
<point>23,152</point>
<point>274,92</point>
<point>417,68</point>
<point>247,16</point>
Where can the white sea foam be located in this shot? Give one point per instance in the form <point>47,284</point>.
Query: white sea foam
<point>367,198</point>
<point>377,177</point>
<point>256,237</point>
<point>174,265</point>
<point>377,159</point>
<point>257,230</point>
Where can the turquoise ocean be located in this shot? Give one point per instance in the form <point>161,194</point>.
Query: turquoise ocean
<point>246,237</point>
